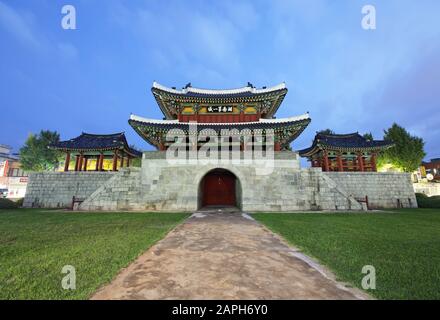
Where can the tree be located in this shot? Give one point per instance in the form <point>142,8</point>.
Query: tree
<point>326,131</point>
<point>35,154</point>
<point>408,152</point>
<point>136,162</point>
<point>368,136</point>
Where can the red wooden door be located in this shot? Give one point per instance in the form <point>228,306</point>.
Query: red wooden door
<point>219,190</point>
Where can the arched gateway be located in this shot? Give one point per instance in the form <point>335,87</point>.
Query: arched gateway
<point>221,188</point>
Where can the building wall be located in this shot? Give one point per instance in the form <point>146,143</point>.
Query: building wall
<point>56,189</point>
<point>384,189</point>
<point>17,187</point>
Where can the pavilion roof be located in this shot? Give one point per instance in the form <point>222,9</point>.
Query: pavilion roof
<point>169,99</point>
<point>88,142</point>
<point>345,143</point>
<point>153,130</point>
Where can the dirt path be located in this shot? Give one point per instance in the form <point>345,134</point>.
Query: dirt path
<point>223,256</point>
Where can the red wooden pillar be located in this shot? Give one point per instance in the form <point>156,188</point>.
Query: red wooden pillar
<point>315,163</point>
<point>128,161</point>
<point>319,162</point>
<point>77,162</point>
<point>373,162</point>
<point>122,160</point>
<point>66,164</point>
<point>101,161</point>
<point>80,161</point>
<point>97,163</point>
<point>115,160</point>
<point>360,161</point>
<point>339,159</point>
<point>85,164</point>
<point>326,163</point>
<point>277,146</point>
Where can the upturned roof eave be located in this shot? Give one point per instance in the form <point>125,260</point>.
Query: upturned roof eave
<point>293,119</point>
<point>308,152</point>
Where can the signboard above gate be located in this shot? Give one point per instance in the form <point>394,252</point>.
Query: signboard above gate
<point>220,109</point>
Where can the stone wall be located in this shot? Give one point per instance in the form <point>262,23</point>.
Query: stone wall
<point>428,188</point>
<point>384,190</point>
<point>56,189</point>
<point>162,186</point>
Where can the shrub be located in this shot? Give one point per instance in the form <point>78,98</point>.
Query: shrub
<point>19,202</point>
<point>7,204</point>
<point>427,202</point>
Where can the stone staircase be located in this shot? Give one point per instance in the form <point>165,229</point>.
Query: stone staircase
<point>121,192</point>
<point>333,197</point>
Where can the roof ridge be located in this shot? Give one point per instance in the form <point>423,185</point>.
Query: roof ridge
<point>339,135</point>
<point>103,135</point>
<point>247,88</point>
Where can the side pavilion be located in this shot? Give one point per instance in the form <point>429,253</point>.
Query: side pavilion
<point>97,148</point>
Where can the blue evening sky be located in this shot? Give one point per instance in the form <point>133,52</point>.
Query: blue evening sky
<point>92,78</point>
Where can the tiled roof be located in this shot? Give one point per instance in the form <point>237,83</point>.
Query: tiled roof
<point>261,124</point>
<point>351,141</point>
<point>246,91</point>
<point>153,131</point>
<point>170,98</point>
<point>98,142</point>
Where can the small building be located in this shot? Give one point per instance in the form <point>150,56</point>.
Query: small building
<point>90,151</point>
<point>344,152</point>
<point>432,167</point>
<point>13,180</point>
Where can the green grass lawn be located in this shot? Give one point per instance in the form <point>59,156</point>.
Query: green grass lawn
<point>403,246</point>
<point>36,244</point>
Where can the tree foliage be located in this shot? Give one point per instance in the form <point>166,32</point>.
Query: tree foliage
<point>408,152</point>
<point>136,162</point>
<point>368,136</point>
<point>326,131</point>
<point>35,154</point>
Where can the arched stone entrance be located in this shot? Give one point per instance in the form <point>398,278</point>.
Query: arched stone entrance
<point>220,188</point>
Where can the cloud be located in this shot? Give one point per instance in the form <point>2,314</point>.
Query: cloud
<point>17,25</point>
<point>411,97</point>
<point>210,35</point>
<point>241,13</point>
